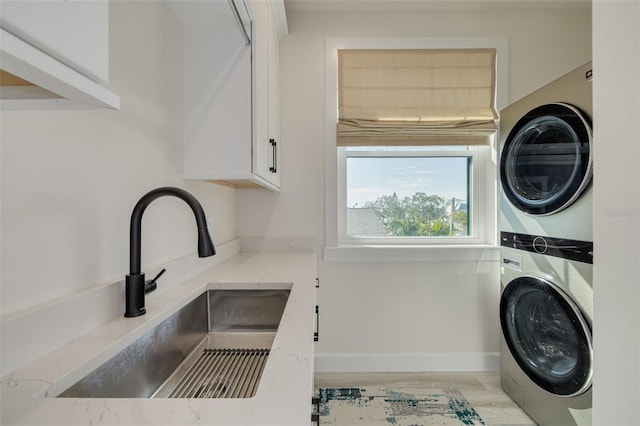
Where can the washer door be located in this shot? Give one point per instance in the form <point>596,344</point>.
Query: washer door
<point>546,159</point>
<point>547,335</point>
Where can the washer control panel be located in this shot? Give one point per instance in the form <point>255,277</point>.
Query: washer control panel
<point>581,251</point>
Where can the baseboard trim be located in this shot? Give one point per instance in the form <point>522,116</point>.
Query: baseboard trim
<point>406,362</point>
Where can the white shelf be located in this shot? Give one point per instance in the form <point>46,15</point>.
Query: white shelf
<point>74,89</point>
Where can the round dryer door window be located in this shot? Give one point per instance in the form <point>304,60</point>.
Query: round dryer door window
<point>546,159</point>
<point>547,335</point>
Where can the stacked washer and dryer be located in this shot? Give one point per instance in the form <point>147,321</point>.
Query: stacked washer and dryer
<point>546,306</point>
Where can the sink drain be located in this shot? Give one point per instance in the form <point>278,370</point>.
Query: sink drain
<point>223,373</point>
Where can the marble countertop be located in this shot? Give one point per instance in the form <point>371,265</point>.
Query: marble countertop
<point>282,398</point>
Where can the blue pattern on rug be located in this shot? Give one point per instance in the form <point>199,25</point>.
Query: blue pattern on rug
<point>447,406</point>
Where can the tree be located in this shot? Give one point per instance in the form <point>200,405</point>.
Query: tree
<point>387,208</point>
<point>418,215</point>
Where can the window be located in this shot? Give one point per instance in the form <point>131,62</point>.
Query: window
<point>402,170</point>
<point>409,195</point>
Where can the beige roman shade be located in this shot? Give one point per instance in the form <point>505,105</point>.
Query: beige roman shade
<point>416,97</point>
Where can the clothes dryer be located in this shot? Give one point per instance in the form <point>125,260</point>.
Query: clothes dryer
<point>546,160</point>
<point>546,311</point>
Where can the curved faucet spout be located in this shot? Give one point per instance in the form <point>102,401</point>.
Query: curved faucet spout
<point>135,282</point>
<point>205,245</point>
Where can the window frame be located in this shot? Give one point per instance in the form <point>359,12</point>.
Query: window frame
<point>477,155</point>
<point>486,166</point>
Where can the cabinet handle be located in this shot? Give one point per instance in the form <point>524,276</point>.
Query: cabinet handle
<point>274,152</point>
<point>315,414</point>
<point>316,332</point>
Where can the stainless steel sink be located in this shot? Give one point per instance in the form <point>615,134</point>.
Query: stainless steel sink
<point>214,347</point>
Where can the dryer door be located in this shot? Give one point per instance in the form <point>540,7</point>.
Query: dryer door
<point>546,159</point>
<point>547,335</point>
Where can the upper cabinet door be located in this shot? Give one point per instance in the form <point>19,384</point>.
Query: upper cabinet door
<point>263,147</point>
<point>231,98</point>
<point>266,92</point>
<point>273,74</point>
<point>55,54</point>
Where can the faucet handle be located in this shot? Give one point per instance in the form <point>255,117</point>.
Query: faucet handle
<point>151,285</point>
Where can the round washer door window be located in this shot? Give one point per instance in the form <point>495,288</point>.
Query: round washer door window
<point>546,159</point>
<point>547,335</point>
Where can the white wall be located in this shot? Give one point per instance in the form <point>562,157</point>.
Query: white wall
<point>408,314</point>
<point>616,287</point>
<point>70,179</point>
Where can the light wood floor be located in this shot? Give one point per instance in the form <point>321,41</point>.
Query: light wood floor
<point>482,390</point>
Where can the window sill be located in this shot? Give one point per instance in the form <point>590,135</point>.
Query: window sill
<point>391,253</point>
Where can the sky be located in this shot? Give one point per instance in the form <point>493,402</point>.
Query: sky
<point>369,178</point>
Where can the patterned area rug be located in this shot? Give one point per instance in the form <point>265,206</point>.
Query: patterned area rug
<point>378,406</point>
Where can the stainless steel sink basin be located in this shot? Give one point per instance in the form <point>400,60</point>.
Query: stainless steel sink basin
<point>214,347</point>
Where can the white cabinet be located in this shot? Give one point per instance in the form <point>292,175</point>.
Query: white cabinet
<point>231,95</point>
<point>266,100</point>
<point>55,54</point>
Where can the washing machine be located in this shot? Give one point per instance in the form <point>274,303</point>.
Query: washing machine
<point>546,313</point>
<point>545,223</point>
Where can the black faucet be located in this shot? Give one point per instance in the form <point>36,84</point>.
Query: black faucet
<point>135,284</point>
